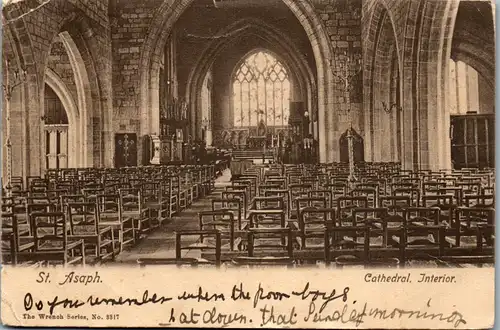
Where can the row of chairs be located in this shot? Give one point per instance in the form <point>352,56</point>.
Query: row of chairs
<point>112,211</point>
<point>262,211</point>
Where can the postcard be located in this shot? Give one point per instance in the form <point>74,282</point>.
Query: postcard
<point>248,163</point>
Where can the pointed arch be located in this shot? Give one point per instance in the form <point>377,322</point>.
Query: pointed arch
<point>84,100</point>
<point>302,74</point>
<point>69,104</point>
<point>170,11</point>
<point>260,73</point>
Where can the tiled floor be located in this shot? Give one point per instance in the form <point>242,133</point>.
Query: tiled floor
<point>161,242</point>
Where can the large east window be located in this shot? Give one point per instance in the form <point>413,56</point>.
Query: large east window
<point>261,91</point>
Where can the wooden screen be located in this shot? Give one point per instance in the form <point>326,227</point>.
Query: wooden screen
<point>473,141</point>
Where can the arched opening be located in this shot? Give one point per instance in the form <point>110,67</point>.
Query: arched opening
<point>470,87</point>
<point>222,56</point>
<point>56,131</point>
<point>206,108</point>
<point>66,75</point>
<point>358,146</point>
<point>65,98</point>
<point>74,35</point>
<point>385,118</point>
<point>164,30</point>
<point>469,92</point>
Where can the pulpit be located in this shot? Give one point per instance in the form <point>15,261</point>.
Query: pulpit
<point>169,146</point>
<point>162,150</point>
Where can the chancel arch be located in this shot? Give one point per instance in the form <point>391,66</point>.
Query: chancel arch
<point>261,32</point>
<point>164,22</point>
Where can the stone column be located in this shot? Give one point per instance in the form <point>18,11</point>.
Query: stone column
<point>52,155</point>
<point>63,147</point>
<point>208,136</point>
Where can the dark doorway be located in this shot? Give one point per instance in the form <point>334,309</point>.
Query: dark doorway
<point>125,149</point>
<point>359,152</point>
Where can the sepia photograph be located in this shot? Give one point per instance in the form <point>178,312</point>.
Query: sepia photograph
<point>182,138</point>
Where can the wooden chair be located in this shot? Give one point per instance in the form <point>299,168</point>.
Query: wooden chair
<point>169,198</point>
<point>237,194</point>
<point>414,193</point>
<point>152,200</point>
<point>265,242</point>
<point>283,193</point>
<point>214,235</point>
<point>267,218</point>
<point>84,224</point>
<point>110,212</point>
<point>335,245</point>
<point>327,194</point>
<point>345,206</point>
<point>479,201</point>
<point>15,238</point>
<point>268,203</point>
<point>222,221</point>
<point>312,224</point>
<point>469,224</point>
<point>300,202</point>
<point>133,207</point>
<point>423,234</point>
<point>52,242</point>
<point>233,205</point>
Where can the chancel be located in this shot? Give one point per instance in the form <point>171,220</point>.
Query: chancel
<point>248,133</point>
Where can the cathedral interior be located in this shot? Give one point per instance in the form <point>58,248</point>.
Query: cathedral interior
<point>248,132</point>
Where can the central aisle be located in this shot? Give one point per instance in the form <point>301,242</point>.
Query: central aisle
<point>161,242</point>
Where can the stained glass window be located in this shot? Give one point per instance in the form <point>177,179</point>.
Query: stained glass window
<point>261,92</point>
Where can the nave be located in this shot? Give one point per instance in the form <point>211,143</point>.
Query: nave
<point>270,215</point>
<point>280,132</point>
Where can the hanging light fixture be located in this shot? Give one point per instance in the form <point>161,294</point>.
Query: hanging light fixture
<point>345,67</point>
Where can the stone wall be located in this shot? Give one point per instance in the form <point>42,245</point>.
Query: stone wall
<point>423,31</point>
<point>342,21</point>
<point>131,21</point>
<point>27,42</point>
<point>121,43</point>
<point>60,64</point>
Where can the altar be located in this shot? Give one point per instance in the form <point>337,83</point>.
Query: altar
<point>256,142</point>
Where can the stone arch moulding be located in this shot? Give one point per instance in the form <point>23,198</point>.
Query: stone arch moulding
<point>77,35</point>
<point>440,153</point>
<point>28,97</point>
<point>62,91</point>
<point>382,33</point>
<point>468,54</point>
<point>303,76</point>
<point>170,11</point>
<point>84,99</point>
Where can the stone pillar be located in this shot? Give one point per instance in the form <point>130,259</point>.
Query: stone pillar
<point>208,136</point>
<point>63,147</point>
<point>52,154</point>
